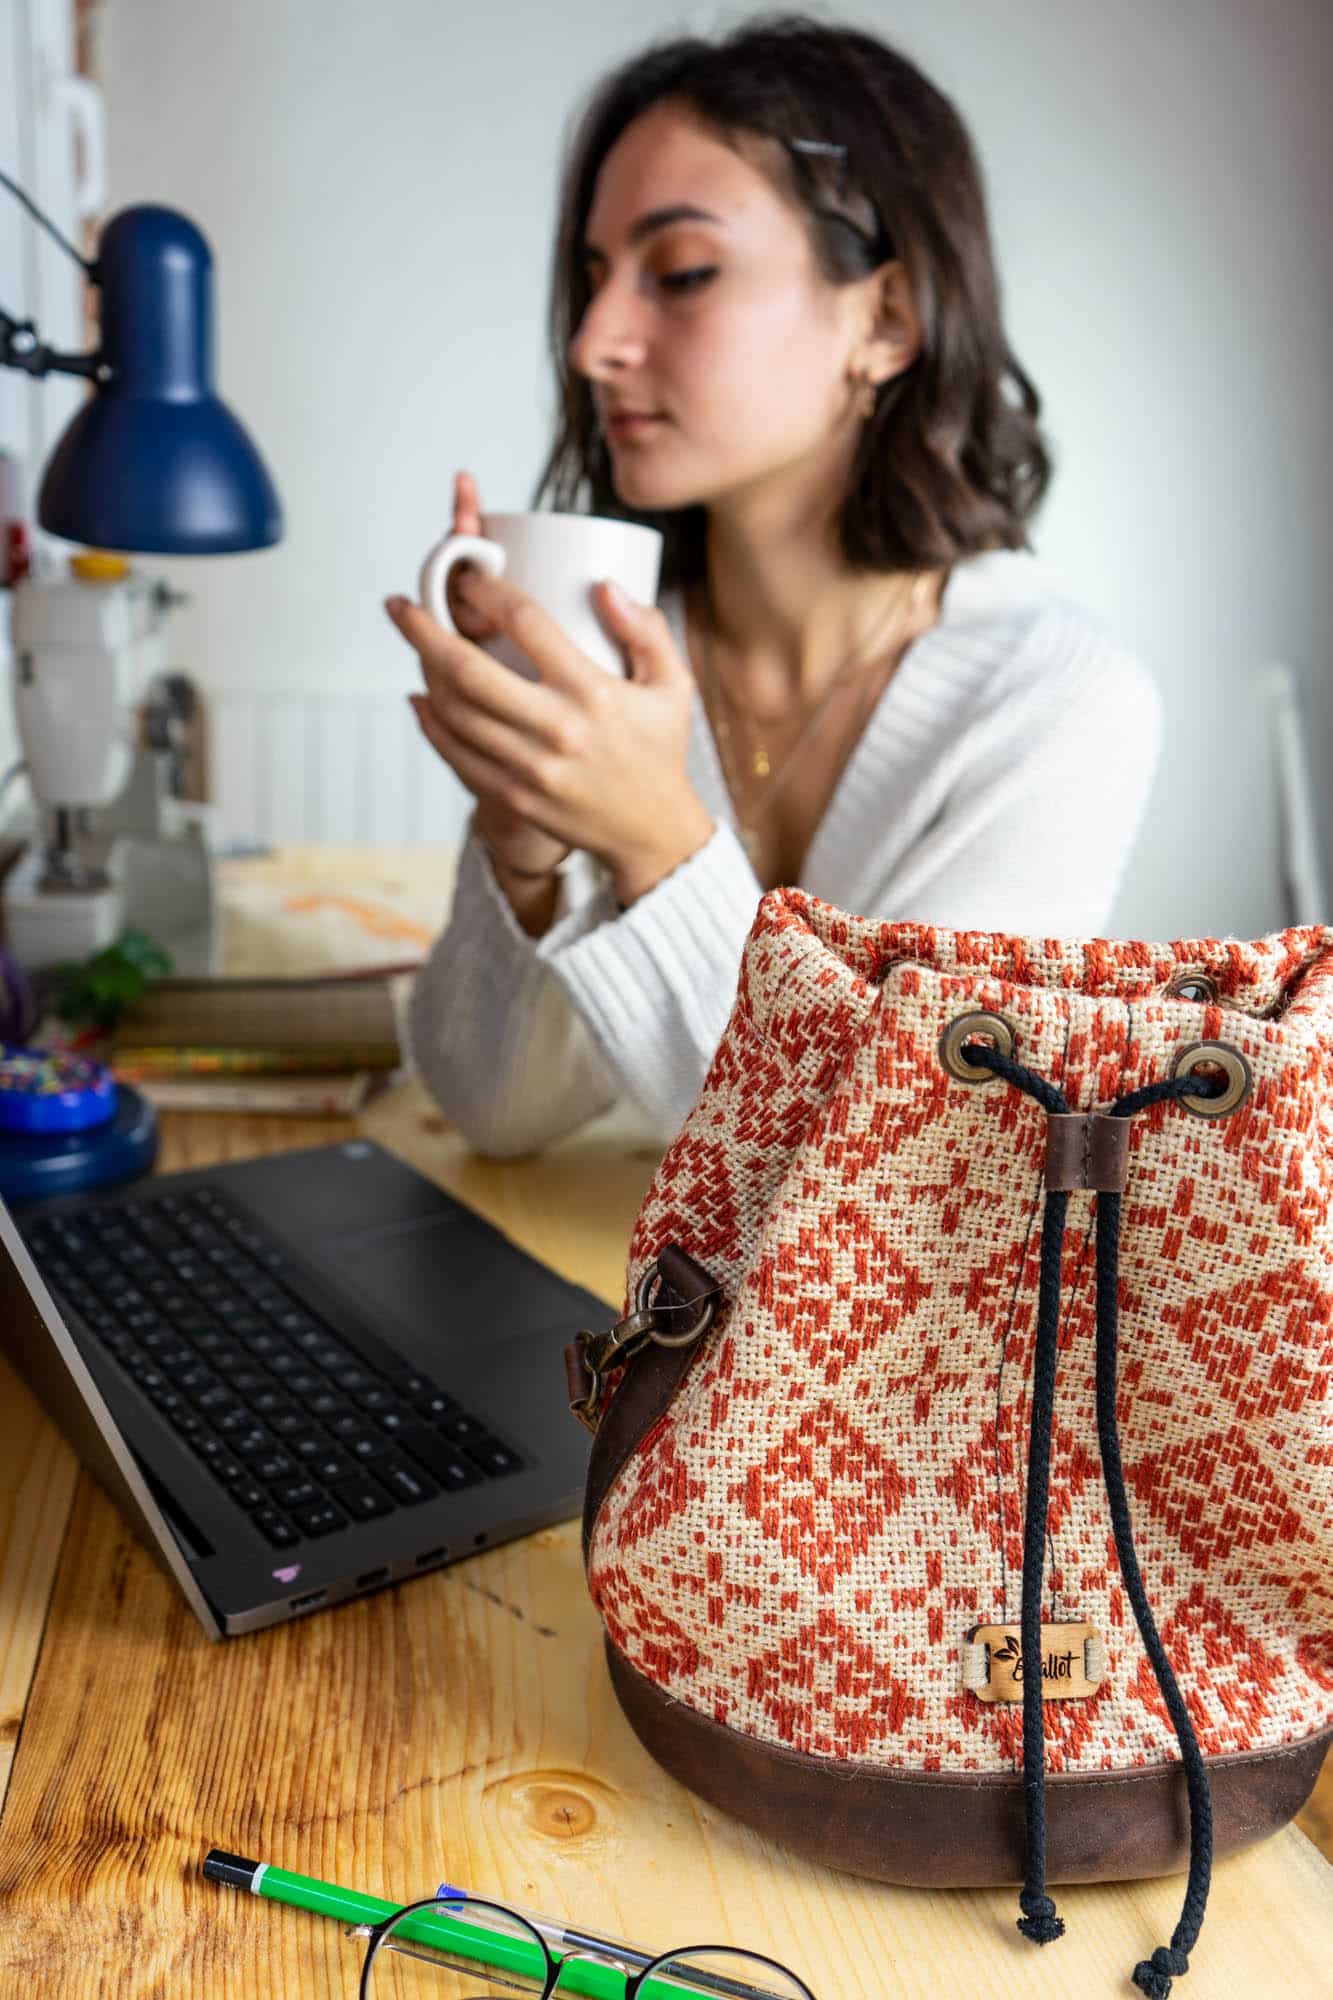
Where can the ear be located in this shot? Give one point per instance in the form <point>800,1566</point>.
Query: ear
<point>892,338</point>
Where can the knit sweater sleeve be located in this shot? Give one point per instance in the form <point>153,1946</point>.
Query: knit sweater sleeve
<point>520,1040</point>
<point>490,1030</point>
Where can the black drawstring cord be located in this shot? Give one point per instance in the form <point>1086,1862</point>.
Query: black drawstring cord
<point>1151,1976</point>
<point>1040,1921</point>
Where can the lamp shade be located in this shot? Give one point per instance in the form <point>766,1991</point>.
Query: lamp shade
<point>153,461</point>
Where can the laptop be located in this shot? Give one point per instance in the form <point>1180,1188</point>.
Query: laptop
<point>303,1377</point>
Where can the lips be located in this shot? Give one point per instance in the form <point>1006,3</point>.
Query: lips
<point>625,423</point>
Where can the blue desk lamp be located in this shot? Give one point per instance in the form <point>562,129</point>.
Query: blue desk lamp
<point>154,461</point>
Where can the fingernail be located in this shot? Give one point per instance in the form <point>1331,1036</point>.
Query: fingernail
<point>620,598</point>
<point>393,605</point>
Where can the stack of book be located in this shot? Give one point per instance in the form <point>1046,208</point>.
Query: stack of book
<point>305,1045</point>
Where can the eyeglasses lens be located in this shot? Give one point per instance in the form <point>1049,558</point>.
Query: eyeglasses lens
<point>719,1974</point>
<point>456,1950</point>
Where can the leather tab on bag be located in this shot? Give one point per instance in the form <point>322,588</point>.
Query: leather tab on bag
<point>685,1283</point>
<point>650,1382</point>
<point>1086,1149</point>
<point>576,1369</point>
<point>676,1315</point>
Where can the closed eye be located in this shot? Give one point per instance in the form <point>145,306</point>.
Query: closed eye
<point>688,281</point>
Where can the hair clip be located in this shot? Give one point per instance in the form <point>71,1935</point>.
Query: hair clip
<point>825,146</point>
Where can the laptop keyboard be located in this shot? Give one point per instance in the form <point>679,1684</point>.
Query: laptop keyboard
<point>200,1309</point>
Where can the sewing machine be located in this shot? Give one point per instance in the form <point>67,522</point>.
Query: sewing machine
<point>108,736</point>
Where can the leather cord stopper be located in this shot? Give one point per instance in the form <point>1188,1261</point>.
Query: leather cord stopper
<point>1086,1149</point>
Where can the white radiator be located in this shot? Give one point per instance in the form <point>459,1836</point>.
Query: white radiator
<point>303,766</point>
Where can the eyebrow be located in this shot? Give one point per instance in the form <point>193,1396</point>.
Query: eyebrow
<point>648,225</point>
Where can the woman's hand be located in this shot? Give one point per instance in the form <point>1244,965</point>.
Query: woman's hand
<point>587,759</point>
<point>516,847</point>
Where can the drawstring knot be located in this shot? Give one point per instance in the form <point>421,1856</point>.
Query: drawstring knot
<point>1040,1921</point>
<point>1153,1976</point>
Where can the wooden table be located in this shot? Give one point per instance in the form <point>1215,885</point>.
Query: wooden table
<point>459,1726</point>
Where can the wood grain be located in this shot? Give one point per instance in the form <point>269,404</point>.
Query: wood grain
<point>462,1726</point>
<point>1316,1820</point>
<point>37,1475</point>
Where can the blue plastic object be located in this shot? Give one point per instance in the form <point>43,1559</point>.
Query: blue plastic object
<point>53,1090</point>
<point>154,462</point>
<point>34,1165</point>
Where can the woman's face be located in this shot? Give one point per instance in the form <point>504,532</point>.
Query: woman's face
<point>708,322</point>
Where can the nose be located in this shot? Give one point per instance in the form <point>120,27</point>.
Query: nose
<point>609,340</point>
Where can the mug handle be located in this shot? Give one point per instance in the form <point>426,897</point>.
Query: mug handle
<point>431,586</point>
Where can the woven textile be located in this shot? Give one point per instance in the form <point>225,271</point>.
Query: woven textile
<point>801,1545</point>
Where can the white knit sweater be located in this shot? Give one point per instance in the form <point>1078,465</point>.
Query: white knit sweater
<point>998,785</point>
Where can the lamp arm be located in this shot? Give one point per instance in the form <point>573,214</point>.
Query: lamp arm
<point>20,348</point>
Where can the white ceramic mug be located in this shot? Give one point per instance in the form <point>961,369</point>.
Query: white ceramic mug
<point>556,559</point>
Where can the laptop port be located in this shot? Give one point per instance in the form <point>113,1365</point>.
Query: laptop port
<point>372,1576</point>
<point>306,1603</point>
<point>429,1556</point>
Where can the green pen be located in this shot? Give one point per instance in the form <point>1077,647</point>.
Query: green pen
<point>482,1946</point>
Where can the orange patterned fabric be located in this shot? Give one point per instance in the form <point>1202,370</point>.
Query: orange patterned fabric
<point>836,1496</point>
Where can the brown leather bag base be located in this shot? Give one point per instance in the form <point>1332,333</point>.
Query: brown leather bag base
<point>909,1829</point>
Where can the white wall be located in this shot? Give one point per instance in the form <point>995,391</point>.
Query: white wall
<point>38,281</point>
<point>378,187</point>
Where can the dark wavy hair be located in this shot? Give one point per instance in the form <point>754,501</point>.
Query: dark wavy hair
<point>952,461</point>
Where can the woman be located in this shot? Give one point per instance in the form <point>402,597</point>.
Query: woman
<point>777,337</point>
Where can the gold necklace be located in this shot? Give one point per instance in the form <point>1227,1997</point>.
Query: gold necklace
<point>761,764</point>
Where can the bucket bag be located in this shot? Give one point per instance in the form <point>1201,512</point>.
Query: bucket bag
<point>960,1507</point>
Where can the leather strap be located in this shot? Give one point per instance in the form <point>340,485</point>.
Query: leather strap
<point>642,1400</point>
<point>649,1385</point>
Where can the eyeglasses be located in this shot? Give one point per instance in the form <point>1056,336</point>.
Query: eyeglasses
<point>461,1948</point>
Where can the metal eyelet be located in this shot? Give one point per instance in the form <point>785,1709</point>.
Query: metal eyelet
<point>1200,986</point>
<point>1215,1055</point>
<point>974,1027</point>
<point>888,965</point>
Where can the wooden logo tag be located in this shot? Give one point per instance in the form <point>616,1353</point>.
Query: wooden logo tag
<point>1073,1662</point>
